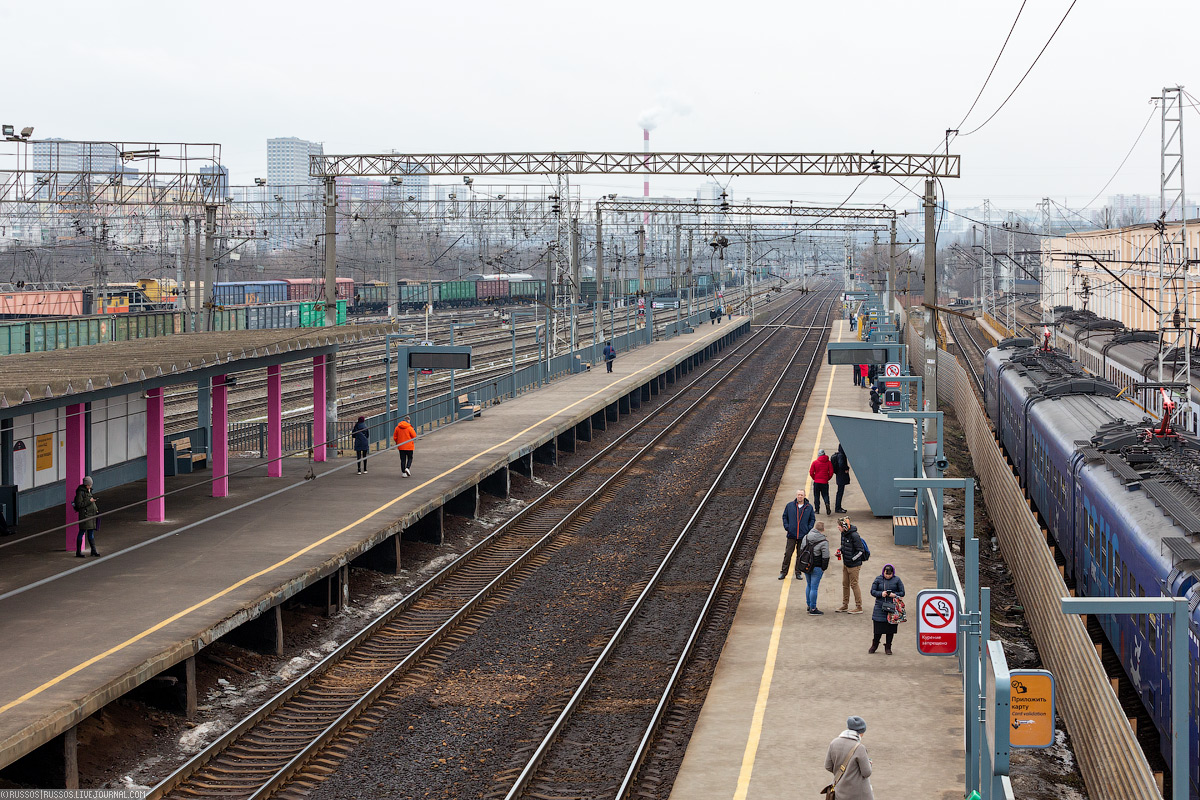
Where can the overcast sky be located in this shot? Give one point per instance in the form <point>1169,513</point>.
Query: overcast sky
<point>473,76</point>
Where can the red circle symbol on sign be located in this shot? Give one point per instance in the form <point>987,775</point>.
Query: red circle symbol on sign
<point>892,370</point>
<point>937,613</point>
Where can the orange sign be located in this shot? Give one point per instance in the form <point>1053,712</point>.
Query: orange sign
<point>44,449</point>
<point>1031,709</point>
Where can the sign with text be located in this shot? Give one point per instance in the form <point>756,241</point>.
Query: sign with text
<point>937,622</point>
<point>1031,713</point>
<point>44,449</point>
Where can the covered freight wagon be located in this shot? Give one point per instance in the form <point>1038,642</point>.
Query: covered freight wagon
<point>314,289</point>
<point>491,290</point>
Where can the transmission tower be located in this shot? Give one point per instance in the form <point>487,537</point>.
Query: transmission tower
<point>989,263</point>
<point>1174,317</point>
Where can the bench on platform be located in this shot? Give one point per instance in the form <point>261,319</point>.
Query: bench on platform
<point>468,407</point>
<point>904,528</point>
<point>180,458</point>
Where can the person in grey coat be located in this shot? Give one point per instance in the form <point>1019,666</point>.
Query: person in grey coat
<point>885,587</point>
<point>847,760</point>
<point>820,562</point>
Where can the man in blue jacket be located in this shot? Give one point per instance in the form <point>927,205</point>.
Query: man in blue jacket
<point>798,520</point>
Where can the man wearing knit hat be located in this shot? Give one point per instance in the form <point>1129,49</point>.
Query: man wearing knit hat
<point>847,760</point>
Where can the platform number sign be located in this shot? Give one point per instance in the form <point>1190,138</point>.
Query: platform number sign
<point>892,370</point>
<point>937,623</point>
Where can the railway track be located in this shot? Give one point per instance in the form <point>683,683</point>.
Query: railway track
<point>973,355</point>
<point>301,735</point>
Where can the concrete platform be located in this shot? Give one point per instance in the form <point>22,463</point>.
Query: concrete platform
<point>786,681</point>
<point>79,633</point>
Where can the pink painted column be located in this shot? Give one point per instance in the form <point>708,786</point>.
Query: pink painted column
<point>76,464</point>
<point>220,436</point>
<point>319,410</point>
<point>156,483</point>
<point>274,422</point>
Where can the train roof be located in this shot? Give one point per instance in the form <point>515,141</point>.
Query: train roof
<point>1167,469</point>
<point>1054,373</point>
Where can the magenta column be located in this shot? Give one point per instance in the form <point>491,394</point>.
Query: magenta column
<point>76,464</point>
<point>220,435</point>
<point>156,483</point>
<point>274,422</point>
<point>319,410</point>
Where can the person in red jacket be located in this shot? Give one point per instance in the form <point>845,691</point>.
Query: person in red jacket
<point>863,371</point>
<point>821,471</point>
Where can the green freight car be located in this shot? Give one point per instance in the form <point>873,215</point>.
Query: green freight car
<point>531,291</point>
<point>312,315</point>
<point>457,293</point>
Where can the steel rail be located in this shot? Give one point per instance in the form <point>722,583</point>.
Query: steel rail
<point>223,743</point>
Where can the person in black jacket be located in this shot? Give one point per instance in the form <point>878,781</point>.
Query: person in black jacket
<point>850,552</point>
<point>85,506</point>
<point>841,474</point>
<point>610,355</point>
<point>876,401</point>
<point>886,586</point>
<point>798,520</point>
<point>362,443</point>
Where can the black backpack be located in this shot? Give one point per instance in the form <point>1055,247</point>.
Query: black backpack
<point>838,462</point>
<point>804,561</point>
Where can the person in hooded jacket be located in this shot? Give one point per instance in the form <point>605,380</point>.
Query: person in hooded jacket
<point>820,562</point>
<point>821,471</point>
<point>850,551</point>
<point>798,520</point>
<point>362,444</point>
<point>405,437</point>
<point>841,472</point>
<point>863,371</point>
<point>886,586</point>
<point>876,400</point>
<point>847,760</point>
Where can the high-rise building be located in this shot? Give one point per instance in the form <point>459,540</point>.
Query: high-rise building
<point>287,161</point>
<point>219,175</point>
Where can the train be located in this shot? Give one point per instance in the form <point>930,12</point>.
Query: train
<point>1127,357</point>
<point>1119,493</point>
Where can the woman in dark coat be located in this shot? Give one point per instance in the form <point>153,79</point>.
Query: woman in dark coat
<point>886,586</point>
<point>362,444</point>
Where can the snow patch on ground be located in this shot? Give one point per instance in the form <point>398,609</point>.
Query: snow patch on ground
<point>197,738</point>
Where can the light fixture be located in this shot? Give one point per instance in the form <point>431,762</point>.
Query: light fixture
<point>26,132</point>
<point>9,130</point>
<point>468,180</point>
<point>397,180</point>
<point>260,181</point>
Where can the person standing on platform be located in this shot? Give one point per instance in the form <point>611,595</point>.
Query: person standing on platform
<point>855,374</point>
<point>85,506</point>
<point>885,589</point>
<point>853,322</point>
<point>850,551</point>
<point>864,370</point>
<point>610,355</point>
<point>813,560</point>
<point>821,471</point>
<point>841,472</point>
<point>848,761</point>
<point>362,443</point>
<point>876,401</point>
<point>405,437</point>
<point>798,520</point>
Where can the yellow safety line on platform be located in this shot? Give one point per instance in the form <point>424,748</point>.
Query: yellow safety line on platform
<point>180,615</point>
<point>764,684</point>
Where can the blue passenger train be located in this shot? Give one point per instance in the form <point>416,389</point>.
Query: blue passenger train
<point>1120,494</point>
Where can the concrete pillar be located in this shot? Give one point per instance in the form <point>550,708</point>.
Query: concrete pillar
<point>427,529</point>
<point>523,465</point>
<point>156,482</point>
<point>600,420</point>
<point>546,453</point>
<point>319,408</point>
<point>583,431</point>
<point>496,484</point>
<point>7,473</point>
<point>220,432</point>
<point>173,689</point>
<point>275,422</point>
<point>383,557</point>
<point>204,412</point>
<point>465,503</point>
<point>54,765</point>
<point>263,634</point>
<point>76,459</point>
<point>566,440</point>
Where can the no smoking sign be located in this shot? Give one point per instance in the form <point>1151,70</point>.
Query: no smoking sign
<point>937,622</point>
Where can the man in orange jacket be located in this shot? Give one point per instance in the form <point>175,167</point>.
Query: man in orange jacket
<point>405,437</point>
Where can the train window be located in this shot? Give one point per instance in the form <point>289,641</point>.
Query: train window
<point>1091,536</point>
<point>1152,632</point>
<point>1141,591</point>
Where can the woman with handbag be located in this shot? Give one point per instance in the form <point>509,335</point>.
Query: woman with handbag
<point>887,591</point>
<point>847,760</point>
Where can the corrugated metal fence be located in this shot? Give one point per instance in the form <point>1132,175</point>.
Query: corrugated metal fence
<point>1109,757</point>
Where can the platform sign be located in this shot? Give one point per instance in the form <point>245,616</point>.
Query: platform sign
<point>892,370</point>
<point>1031,713</point>
<point>937,622</point>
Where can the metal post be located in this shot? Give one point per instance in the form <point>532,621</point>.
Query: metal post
<point>677,281</point>
<point>642,261</point>
<point>188,284</point>
<point>202,290</point>
<point>601,294</point>
<point>210,233</point>
<point>330,310</point>
<point>931,293</point>
<point>392,280</point>
<point>575,277</point>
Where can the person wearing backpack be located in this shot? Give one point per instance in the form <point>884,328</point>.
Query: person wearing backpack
<point>813,561</point>
<point>853,551</point>
<point>841,472</point>
<point>798,520</point>
<point>610,355</point>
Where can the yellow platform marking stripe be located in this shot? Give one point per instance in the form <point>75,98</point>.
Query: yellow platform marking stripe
<point>208,600</point>
<point>764,684</point>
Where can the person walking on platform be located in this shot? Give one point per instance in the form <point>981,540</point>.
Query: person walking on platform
<point>821,471</point>
<point>813,560</point>
<point>798,520</point>
<point>848,761</point>
<point>610,355</point>
<point>841,472</point>
<point>405,437</point>
<point>362,443</point>
<point>886,588</point>
<point>851,552</point>
<point>876,401</point>
<point>712,316</point>
<point>85,506</point>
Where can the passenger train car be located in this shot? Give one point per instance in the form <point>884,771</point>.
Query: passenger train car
<point>1125,357</point>
<point>1120,494</point>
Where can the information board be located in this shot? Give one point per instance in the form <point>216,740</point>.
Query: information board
<point>937,622</point>
<point>1031,713</point>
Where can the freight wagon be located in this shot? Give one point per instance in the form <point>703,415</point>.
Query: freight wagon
<point>314,289</point>
<point>242,293</point>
